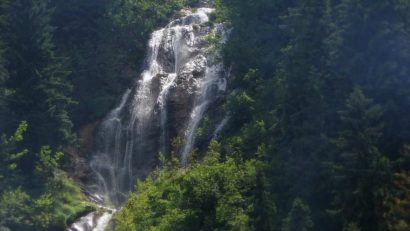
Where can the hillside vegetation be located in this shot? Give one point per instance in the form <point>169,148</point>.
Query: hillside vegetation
<point>318,136</point>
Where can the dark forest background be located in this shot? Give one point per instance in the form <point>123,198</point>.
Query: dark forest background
<point>319,135</point>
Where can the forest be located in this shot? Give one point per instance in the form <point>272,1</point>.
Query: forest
<point>318,136</point>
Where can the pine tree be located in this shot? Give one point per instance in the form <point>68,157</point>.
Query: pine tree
<point>4,74</point>
<point>39,77</point>
<point>372,43</point>
<point>298,94</point>
<point>363,174</point>
<point>298,218</point>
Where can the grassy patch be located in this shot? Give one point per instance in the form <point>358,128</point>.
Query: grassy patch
<point>71,203</point>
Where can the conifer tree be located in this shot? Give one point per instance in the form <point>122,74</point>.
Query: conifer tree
<point>372,43</point>
<point>4,74</point>
<point>298,218</point>
<point>363,174</point>
<point>40,77</point>
<point>298,94</point>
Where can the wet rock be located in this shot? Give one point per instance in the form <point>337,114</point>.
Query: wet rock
<point>177,86</point>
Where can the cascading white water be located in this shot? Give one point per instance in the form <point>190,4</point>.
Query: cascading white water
<point>95,221</point>
<point>111,130</point>
<point>180,81</point>
<point>204,98</point>
<point>211,83</point>
<point>220,127</point>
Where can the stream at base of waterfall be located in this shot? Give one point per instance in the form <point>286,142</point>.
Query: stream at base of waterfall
<point>180,81</point>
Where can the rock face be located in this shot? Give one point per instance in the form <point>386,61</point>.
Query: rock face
<point>180,82</point>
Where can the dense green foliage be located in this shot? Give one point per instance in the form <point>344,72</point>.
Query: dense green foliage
<point>326,85</point>
<point>214,195</point>
<point>51,204</point>
<point>63,64</point>
<point>319,137</point>
<point>323,101</point>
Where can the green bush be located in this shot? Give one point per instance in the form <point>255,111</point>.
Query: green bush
<point>212,195</point>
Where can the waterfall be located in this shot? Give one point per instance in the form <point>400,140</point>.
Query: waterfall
<point>205,95</point>
<point>210,85</point>
<point>180,80</point>
<point>94,221</point>
<point>221,126</point>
